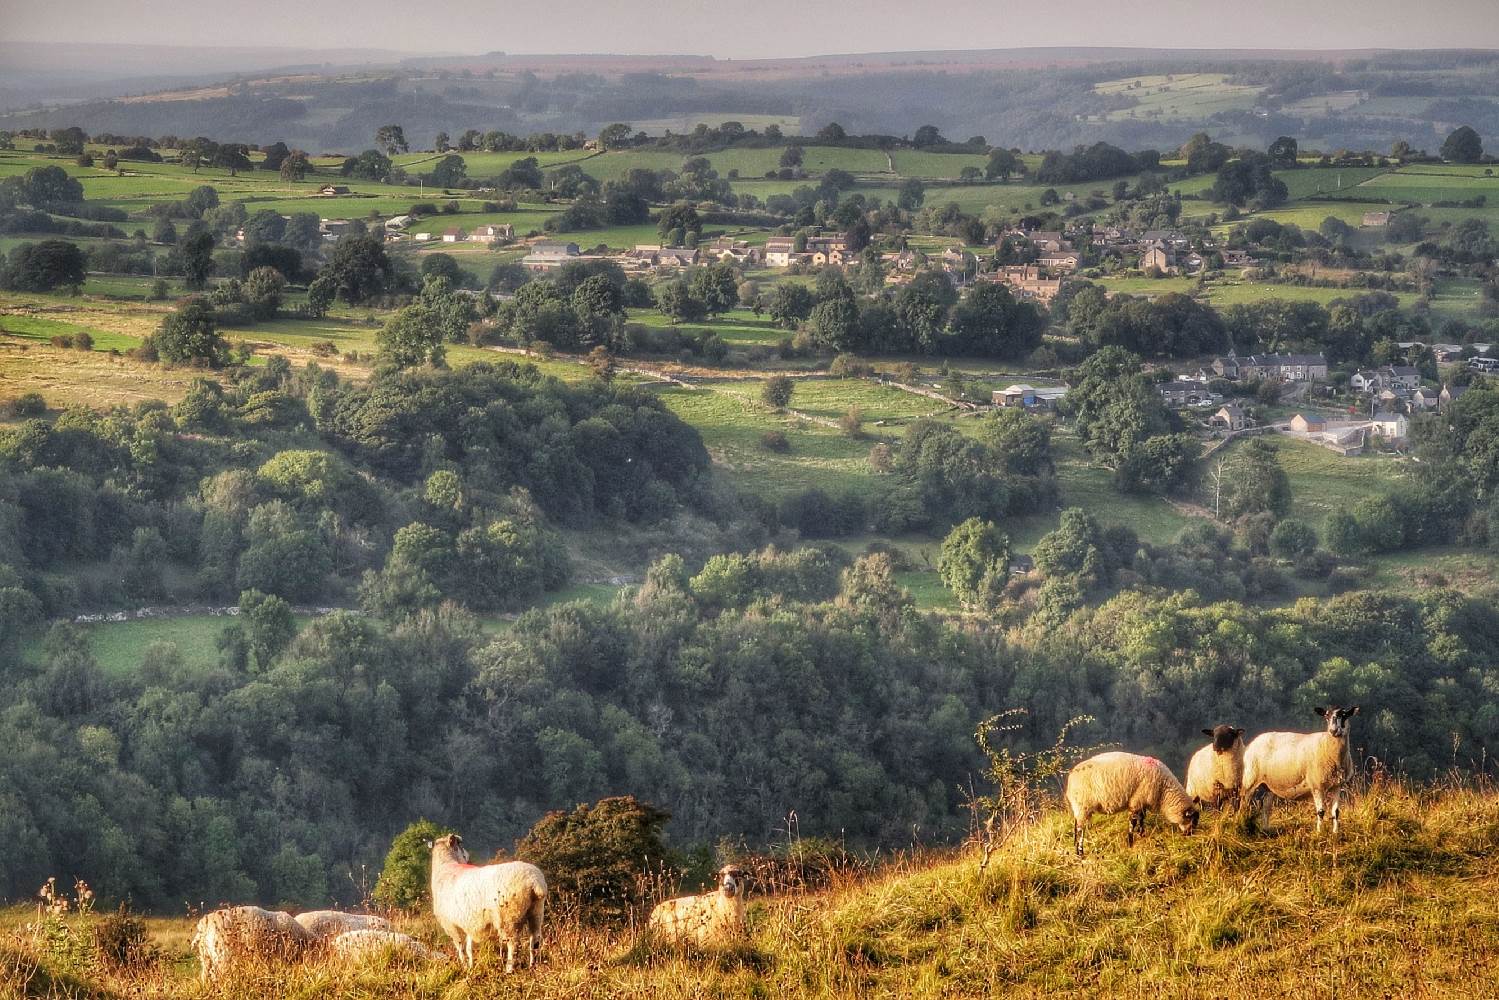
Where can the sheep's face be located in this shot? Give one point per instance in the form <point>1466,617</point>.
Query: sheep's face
<point>1188,825</point>
<point>452,844</point>
<point>1224,737</point>
<point>731,880</point>
<point>1337,719</point>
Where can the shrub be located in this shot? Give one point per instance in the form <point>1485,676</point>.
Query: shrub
<point>777,391</point>
<point>775,441</point>
<point>852,422</point>
<point>595,856</point>
<point>30,404</point>
<point>121,941</point>
<point>404,881</point>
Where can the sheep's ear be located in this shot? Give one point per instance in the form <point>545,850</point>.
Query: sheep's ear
<point>1353,710</point>
<point>1207,732</point>
<point>1239,731</point>
<point>1320,711</point>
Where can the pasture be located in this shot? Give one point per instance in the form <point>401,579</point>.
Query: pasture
<point>1180,96</point>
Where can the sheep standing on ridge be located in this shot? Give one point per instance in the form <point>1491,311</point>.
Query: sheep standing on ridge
<point>1216,772</point>
<point>468,900</point>
<point>1118,782</point>
<point>705,918</point>
<point>325,924</point>
<point>358,946</point>
<point>231,935</point>
<point>1297,765</point>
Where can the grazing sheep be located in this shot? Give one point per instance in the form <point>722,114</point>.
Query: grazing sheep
<point>325,924</point>
<point>470,899</point>
<point>358,946</point>
<point>708,917</point>
<point>228,936</point>
<point>1118,782</point>
<point>1295,765</point>
<point>1215,772</point>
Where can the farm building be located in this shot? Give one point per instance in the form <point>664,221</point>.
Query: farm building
<point>547,255</point>
<point>332,190</point>
<point>1028,397</point>
<point>453,234</point>
<point>1308,425</point>
<point>1375,220</point>
<point>490,233</point>
<point>1185,392</point>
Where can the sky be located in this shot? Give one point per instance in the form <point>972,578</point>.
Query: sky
<point>740,29</point>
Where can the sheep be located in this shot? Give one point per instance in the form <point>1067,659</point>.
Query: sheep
<point>1297,765</point>
<point>1115,782</point>
<point>331,923</point>
<point>469,899</point>
<point>225,937</point>
<point>361,945</point>
<point>1216,771</point>
<point>705,918</point>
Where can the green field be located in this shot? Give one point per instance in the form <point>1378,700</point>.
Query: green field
<point>1179,96</point>
<point>44,329</point>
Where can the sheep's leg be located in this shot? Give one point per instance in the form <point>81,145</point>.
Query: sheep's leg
<point>1077,837</point>
<point>468,950</point>
<point>1136,827</point>
<point>1337,808</point>
<point>1319,805</point>
<point>509,955</point>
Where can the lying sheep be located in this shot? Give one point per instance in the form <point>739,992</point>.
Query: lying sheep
<point>469,900</point>
<point>1215,772</point>
<point>359,946</point>
<point>226,937</point>
<point>325,924</point>
<point>1295,765</point>
<point>1118,782</point>
<point>709,917</point>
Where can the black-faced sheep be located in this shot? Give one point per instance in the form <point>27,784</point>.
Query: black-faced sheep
<point>1216,772</point>
<point>235,934</point>
<point>1297,765</point>
<point>1118,782</point>
<point>712,916</point>
<point>468,900</point>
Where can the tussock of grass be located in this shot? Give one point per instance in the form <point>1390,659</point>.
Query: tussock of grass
<point>1404,904</point>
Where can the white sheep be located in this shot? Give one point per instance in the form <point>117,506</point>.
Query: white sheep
<point>325,924</point>
<point>1216,772</point>
<point>468,900</point>
<point>705,918</point>
<point>359,946</point>
<point>225,937</point>
<point>1297,765</point>
<point>1119,782</point>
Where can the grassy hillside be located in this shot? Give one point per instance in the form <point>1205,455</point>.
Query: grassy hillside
<point>1404,904</point>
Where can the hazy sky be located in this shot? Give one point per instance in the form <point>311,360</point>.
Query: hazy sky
<point>758,28</point>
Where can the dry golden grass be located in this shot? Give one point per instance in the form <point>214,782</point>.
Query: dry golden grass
<point>94,379</point>
<point>1404,904</point>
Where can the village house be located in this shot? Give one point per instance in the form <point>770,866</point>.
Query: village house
<point>1308,425</point>
<point>1449,394</point>
<point>778,251</point>
<point>1398,378</point>
<point>1158,259</point>
<point>1185,392</point>
<point>1229,418</point>
<point>1374,220</point>
<point>1236,258</point>
<point>1027,282</point>
<point>1063,262</point>
<point>1048,242</point>
<point>1424,399</point>
<point>1392,427</point>
<point>453,234</point>
<point>490,233</point>
<point>1285,367</point>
